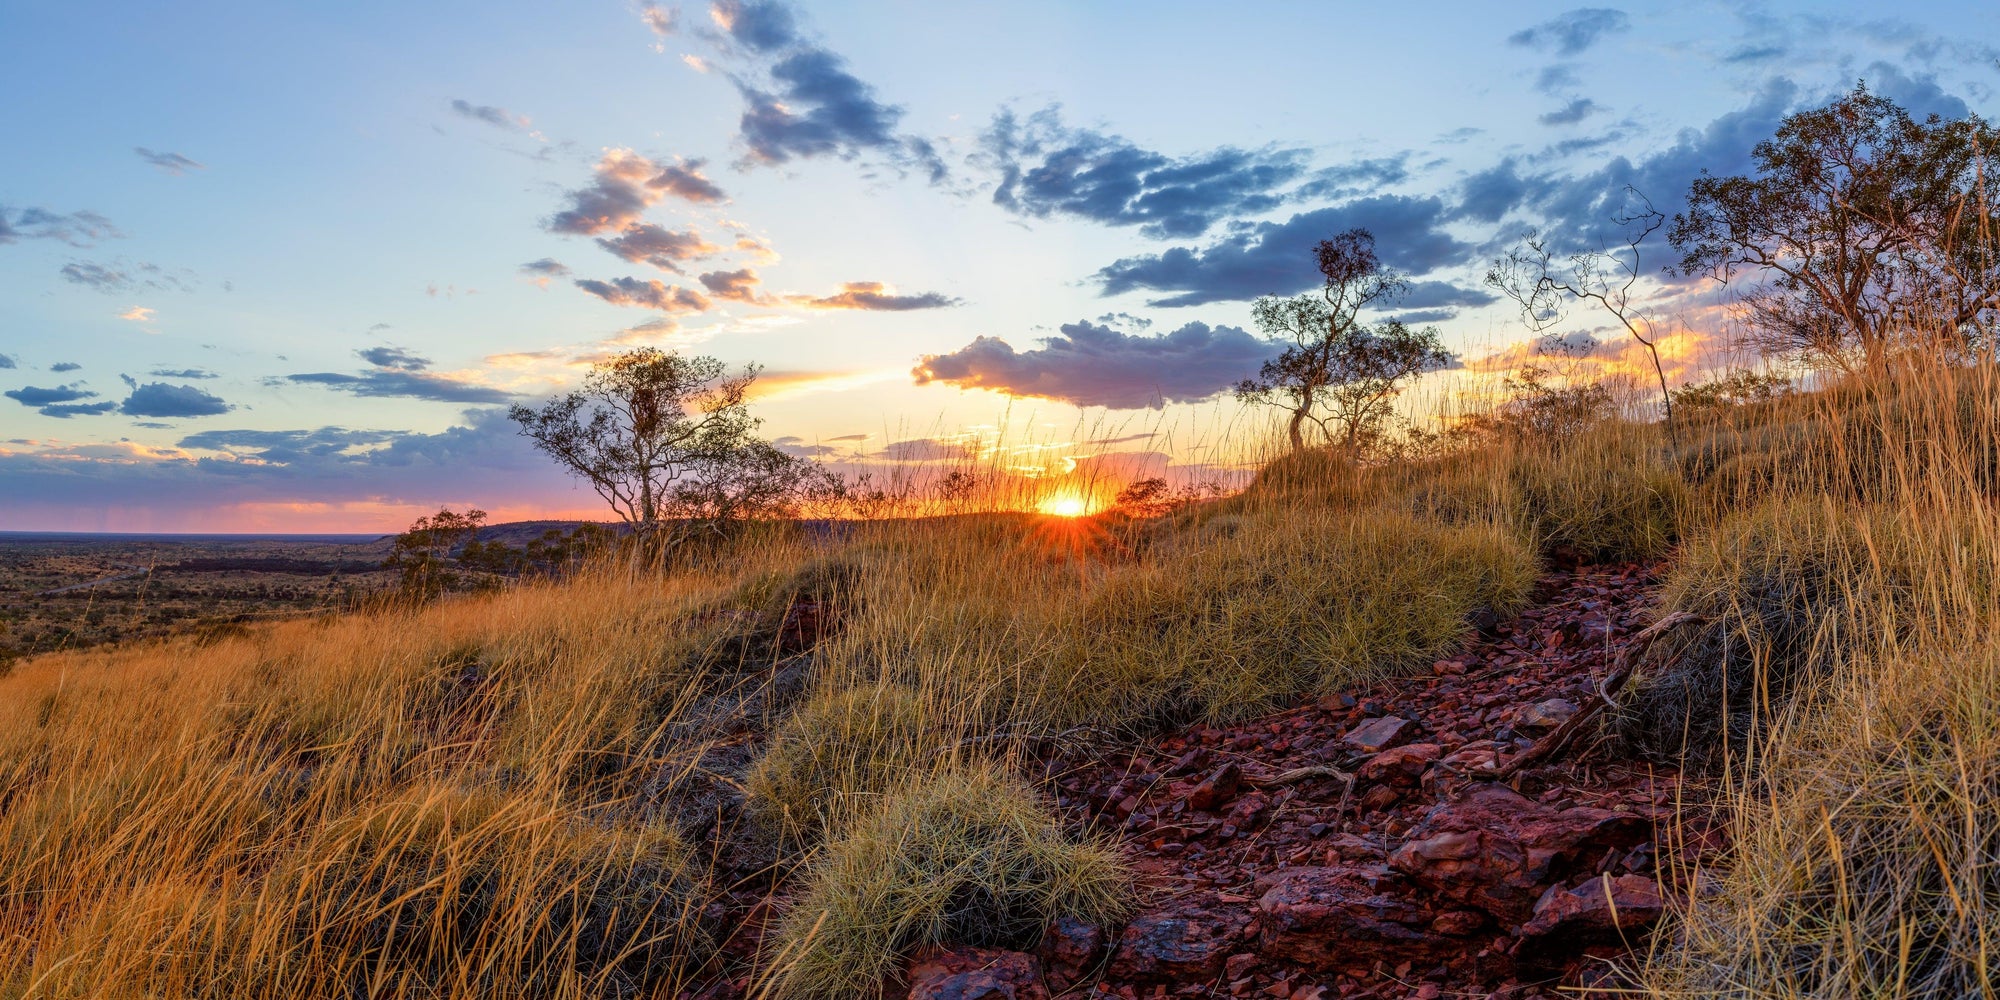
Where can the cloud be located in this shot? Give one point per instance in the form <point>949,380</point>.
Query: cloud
<point>1049,169</point>
<point>925,450</point>
<point>811,106</point>
<point>625,185</point>
<point>289,446</point>
<point>646,295</point>
<point>660,19</point>
<point>393,357</point>
<point>798,448</point>
<point>1571,113</point>
<point>405,384</point>
<point>182,373</point>
<point>542,271</point>
<point>1572,32</point>
<point>65,366</point>
<point>739,285</point>
<point>686,181</point>
<point>138,314</point>
<point>95,276</point>
<point>171,163</point>
<point>60,401</point>
<point>78,229</point>
<point>1092,365</point>
<point>160,399</point>
<point>494,116</point>
<point>650,244</point>
<point>1556,77</point>
<point>7,361</point>
<point>873,296</point>
<point>1275,258</point>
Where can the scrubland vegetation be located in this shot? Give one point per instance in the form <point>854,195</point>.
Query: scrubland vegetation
<point>565,788</point>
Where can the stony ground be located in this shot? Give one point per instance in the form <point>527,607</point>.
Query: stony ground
<point>1431,871</point>
<point>1442,835</point>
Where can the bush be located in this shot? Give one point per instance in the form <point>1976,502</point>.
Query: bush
<point>970,857</point>
<point>837,755</point>
<point>1614,508</point>
<point>465,890</point>
<point>1780,601</point>
<point>1281,604</point>
<point>1865,866</point>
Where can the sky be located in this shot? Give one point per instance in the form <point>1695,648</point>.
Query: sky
<point>282,267</point>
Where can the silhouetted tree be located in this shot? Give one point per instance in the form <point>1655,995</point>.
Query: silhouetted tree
<point>1542,280</point>
<point>425,554</point>
<point>1332,360</point>
<point>1871,227</point>
<point>667,440</point>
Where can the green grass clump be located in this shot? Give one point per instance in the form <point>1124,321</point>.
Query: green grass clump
<point>1281,603</point>
<point>839,753</point>
<point>1627,508</point>
<point>461,892</point>
<point>968,857</point>
<point>1775,601</point>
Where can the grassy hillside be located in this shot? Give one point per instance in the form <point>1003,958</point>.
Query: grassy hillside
<point>571,789</point>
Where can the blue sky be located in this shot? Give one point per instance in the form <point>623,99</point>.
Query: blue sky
<point>278,267</point>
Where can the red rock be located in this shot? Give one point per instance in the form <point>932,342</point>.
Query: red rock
<point>975,974</point>
<point>1402,767</point>
<point>1192,940</point>
<point>1378,734</point>
<point>1217,788</point>
<point>1070,950</point>
<point>1597,909</point>
<point>1492,849</point>
<point>1324,919</point>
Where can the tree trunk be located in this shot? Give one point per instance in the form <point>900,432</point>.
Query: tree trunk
<point>1295,430</point>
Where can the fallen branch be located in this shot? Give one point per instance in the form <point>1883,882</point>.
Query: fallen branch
<point>1548,745</point>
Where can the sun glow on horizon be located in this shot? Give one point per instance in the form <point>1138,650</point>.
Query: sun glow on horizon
<point>1067,505</point>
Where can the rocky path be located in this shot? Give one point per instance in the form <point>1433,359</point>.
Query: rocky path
<point>1430,872</point>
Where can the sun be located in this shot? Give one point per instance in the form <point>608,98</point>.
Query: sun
<point>1065,505</point>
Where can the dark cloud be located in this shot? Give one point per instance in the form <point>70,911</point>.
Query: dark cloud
<point>160,399</point>
<point>1755,54</point>
<point>650,244</point>
<point>494,116</point>
<point>125,275</point>
<point>7,361</point>
<point>625,185</point>
<point>95,276</point>
<point>1092,365</point>
<point>401,383</point>
<point>1443,294</point>
<point>873,296</point>
<point>67,410</point>
<point>182,373</point>
<point>1423,316</point>
<point>1350,179</point>
<point>1276,257</point>
<point>646,294</point>
<point>925,450</point>
<point>52,402</point>
<point>172,163</point>
<point>547,267</point>
<point>1049,169</point>
<point>759,25</point>
<point>78,229</point>
<point>1571,113</point>
<point>65,366</point>
<point>289,446</point>
<point>1556,77</point>
<point>739,285</point>
<point>797,447</point>
<point>811,105</point>
<point>686,181</point>
<point>393,357</point>
<point>1571,32</point>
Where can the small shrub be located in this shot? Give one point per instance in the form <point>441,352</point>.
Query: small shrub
<point>456,889</point>
<point>1282,605</point>
<point>836,756</point>
<point>970,857</point>
<point>1623,509</point>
